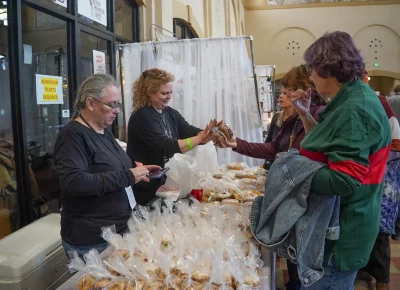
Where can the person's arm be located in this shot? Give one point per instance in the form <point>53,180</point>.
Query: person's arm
<point>148,130</point>
<point>257,150</point>
<point>349,157</point>
<point>72,161</point>
<point>184,128</point>
<point>308,122</point>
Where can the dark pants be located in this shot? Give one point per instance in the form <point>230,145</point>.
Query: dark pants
<point>397,224</point>
<point>379,262</point>
<point>294,281</point>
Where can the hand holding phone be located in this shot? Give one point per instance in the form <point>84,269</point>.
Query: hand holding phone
<point>158,173</point>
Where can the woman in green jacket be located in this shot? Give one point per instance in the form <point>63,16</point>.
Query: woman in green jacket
<point>353,138</point>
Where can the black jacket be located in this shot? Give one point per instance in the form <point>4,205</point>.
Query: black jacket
<point>93,172</point>
<point>149,144</point>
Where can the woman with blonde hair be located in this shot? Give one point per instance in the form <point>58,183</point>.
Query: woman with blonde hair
<point>156,131</point>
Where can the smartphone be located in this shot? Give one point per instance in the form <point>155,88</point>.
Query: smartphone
<point>158,173</point>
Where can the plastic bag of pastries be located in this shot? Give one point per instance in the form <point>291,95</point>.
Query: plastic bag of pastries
<point>251,269</point>
<point>96,275</point>
<point>116,241</point>
<point>165,238</point>
<point>201,273</point>
<point>221,132</point>
<point>221,278</point>
<point>237,166</point>
<point>138,269</point>
<point>87,280</point>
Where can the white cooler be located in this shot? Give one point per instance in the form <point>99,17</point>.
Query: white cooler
<point>32,258</point>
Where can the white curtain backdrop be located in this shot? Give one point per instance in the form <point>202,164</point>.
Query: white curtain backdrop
<point>213,79</point>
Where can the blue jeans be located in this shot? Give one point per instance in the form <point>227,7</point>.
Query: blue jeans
<point>334,280</point>
<point>81,250</point>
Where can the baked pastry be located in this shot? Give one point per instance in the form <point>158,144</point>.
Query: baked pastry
<point>166,244</point>
<point>241,175</point>
<point>230,202</point>
<point>154,285</point>
<point>228,133</point>
<point>235,166</point>
<point>215,286</point>
<point>252,279</point>
<point>124,253</point>
<point>86,282</point>
<point>200,277</point>
<point>194,285</point>
<point>152,270</point>
<point>117,285</point>
<point>175,280</point>
<point>114,273</point>
<point>238,196</point>
<point>137,284</point>
<point>221,132</point>
<point>218,175</point>
<point>101,283</point>
<point>224,194</point>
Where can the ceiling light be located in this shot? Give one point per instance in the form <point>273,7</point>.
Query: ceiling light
<point>369,78</point>
<point>4,3</point>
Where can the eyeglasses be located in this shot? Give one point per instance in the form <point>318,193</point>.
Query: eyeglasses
<point>113,107</point>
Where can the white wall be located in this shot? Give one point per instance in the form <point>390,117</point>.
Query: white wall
<point>197,11</point>
<point>274,29</point>
<point>209,18</point>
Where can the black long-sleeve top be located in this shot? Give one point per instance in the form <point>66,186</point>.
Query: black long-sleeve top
<point>152,140</point>
<point>93,172</point>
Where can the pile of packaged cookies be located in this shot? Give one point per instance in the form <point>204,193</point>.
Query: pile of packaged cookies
<point>177,247</point>
<point>234,183</point>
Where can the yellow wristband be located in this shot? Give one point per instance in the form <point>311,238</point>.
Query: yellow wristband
<point>189,144</point>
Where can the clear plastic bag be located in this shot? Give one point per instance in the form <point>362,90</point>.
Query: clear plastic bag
<point>184,173</point>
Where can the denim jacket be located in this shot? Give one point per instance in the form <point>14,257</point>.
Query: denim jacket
<point>291,219</point>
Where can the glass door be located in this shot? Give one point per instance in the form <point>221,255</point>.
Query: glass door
<point>95,53</point>
<point>9,205</point>
<point>45,99</point>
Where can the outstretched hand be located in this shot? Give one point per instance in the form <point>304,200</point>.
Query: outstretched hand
<point>224,143</point>
<point>206,134</point>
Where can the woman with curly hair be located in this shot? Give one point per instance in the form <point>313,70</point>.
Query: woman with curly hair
<point>292,131</point>
<point>352,136</point>
<point>156,131</point>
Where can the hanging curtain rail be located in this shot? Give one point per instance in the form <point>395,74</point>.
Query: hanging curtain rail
<point>121,46</point>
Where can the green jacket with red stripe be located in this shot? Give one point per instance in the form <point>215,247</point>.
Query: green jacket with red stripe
<point>353,137</point>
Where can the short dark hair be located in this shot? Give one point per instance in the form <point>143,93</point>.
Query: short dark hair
<point>335,55</point>
<point>397,89</point>
<point>298,78</point>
